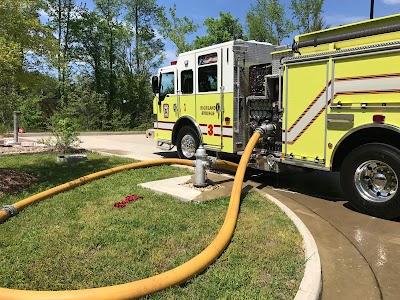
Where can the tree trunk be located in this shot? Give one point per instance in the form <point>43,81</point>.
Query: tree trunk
<point>65,50</point>
<point>59,12</point>
<point>137,38</point>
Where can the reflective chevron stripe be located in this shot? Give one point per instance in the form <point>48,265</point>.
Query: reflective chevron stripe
<point>369,84</point>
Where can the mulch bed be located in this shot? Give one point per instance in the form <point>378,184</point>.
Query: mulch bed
<point>12,182</point>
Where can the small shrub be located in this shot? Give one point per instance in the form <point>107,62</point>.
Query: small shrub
<point>65,131</point>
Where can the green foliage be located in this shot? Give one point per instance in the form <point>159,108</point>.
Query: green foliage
<point>32,118</point>
<point>89,34</point>
<point>31,97</point>
<point>266,21</point>
<point>30,106</point>
<point>65,131</point>
<point>147,52</point>
<point>118,121</point>
<point>4,129</point>
<point>20,32</point>
<point>224,29</point>
<point>10,61</point>
<point>22,36</point>
<point>176,29</point>
<point>62,16</point>
<point>84,105</point>
<point>308,15</point>
<point>10,101</point>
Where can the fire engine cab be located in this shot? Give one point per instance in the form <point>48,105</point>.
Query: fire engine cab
<point>331,102</point>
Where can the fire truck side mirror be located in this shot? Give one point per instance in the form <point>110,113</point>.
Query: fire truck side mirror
<point>155,84</point>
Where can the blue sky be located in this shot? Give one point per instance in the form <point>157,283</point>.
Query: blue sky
<point>336,12</point>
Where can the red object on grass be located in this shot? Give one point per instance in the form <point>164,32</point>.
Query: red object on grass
<point>130,198</point>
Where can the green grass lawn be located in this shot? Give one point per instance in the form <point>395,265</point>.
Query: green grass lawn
<point>78,240</point>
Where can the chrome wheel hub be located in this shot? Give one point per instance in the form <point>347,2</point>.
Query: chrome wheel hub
<point>376,181</point>
<point>188,146</point>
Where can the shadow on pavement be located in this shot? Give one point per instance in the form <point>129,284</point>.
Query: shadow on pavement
<point>319,184</point>
<point>168,154</point>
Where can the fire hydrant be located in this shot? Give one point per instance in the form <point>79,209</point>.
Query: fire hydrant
<point>202,163</point>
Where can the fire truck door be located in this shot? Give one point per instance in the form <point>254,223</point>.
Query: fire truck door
<point>306,98</point>
<point>168,105</point>
<point>186,85</point>
<point>208,96</point>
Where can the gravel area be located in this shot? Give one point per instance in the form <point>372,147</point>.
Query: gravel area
<point>25,147</point>
<point>23,150</point>
<point>210,186</point>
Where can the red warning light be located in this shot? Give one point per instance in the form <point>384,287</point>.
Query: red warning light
<point>173,63</point>
<point>378,118</point>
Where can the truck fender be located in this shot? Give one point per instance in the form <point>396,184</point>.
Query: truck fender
<point>186,121</point>
<point>359,136</point>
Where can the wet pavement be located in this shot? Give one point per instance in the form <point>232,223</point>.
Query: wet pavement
<point>360,255</point>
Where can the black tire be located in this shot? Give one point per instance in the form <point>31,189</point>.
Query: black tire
<point>370,177</point>
<point>187,142</point>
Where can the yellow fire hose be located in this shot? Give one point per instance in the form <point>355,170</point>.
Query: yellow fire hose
<point>159,282</point>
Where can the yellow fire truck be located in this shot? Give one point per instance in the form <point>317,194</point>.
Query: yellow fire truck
<point>331,102</point>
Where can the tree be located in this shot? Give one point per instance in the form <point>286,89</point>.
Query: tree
<point>62,13</point>
<point>114,48</point>
<point>224,29</point>
<point>266,22</point>
<point>141,16</point>
<point>109,11</point>
<point>89,36</point>
<point>21,35</point>
<point>86,106</point>
<point>176,29</point>
<point>308,15</point>
<point>144,53</point>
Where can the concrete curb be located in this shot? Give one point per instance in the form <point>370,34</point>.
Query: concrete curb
<point>311,284</point>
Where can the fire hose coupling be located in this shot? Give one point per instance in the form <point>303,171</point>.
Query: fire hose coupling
<point>262,129</point>
<point>11,210</point>
<point>266,128</point>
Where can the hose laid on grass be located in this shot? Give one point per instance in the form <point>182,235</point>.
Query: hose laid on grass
<point>159,282</point>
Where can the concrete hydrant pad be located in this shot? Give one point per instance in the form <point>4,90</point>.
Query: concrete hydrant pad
<point>219,185</point>
<point>173,187</point>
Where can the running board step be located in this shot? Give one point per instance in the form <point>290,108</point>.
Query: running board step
<point>165,145</point>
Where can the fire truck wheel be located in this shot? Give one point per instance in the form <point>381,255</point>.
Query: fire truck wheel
<point>187,143</point>
<point>370,177</point>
